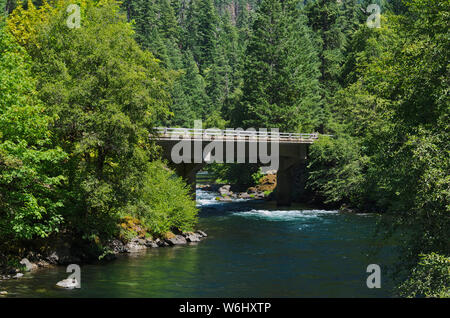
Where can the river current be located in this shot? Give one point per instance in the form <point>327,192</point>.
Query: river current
<point>253,249</point>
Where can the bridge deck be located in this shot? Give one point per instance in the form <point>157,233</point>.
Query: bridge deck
<point>165,133</point>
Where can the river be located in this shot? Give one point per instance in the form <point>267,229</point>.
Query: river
<point>253,249</point>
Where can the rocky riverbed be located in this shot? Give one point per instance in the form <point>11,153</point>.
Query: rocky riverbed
<point>264,190</point>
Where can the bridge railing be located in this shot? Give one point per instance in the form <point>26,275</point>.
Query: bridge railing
<point>168,133</point>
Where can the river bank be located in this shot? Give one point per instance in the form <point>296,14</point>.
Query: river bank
<point>61,257</point>
<point>63,249</point>
<point>64,253</point>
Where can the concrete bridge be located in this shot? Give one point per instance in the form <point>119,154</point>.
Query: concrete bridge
<point>189,150</point>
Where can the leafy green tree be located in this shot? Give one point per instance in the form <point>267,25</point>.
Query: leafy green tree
<point>333,23</point>
<point>107,100</point>
<point>337,168</point>
<point>396,107</point>
<point>195,87</point>
<point>30,164</point>
<point>165,203</point>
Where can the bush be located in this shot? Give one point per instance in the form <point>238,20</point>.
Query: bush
<point>430,278</point>
<point>165,202</point>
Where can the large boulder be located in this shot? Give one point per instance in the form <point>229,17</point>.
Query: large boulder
<point>252,190</point>
<point>244,195</point>
<point>176,240</point>
<point>225,190</point>
<point>201,233</point>
<point>136,245</point>
<point>161,243</point>
<point>192,237</point>
<point>150,243</point>
<point>224,199</point>
<point>267,183</point>
<point>28,265</point>
<point>116,246</point>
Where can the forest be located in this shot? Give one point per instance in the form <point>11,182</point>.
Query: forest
<point>77,106</point>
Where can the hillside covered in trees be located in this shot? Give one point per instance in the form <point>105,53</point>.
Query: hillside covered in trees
<point>77,105</point>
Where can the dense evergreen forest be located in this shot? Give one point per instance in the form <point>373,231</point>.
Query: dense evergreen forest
<point>77,105</point>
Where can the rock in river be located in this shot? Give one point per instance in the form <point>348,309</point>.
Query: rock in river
<point>28,265</point>
<point>225,190</point>
<point>177,240</point>
<point>192,237</point>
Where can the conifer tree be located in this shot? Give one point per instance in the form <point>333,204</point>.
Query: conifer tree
<point>201,32</point>
<point>280,72</point>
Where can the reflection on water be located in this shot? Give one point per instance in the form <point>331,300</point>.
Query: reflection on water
<point>253,249</point>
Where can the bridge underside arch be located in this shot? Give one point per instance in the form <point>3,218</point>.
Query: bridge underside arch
<point>290,165</point>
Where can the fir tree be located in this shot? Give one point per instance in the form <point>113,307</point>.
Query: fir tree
<point>281,72</point>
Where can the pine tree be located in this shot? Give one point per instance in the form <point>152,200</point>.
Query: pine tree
<point>281,72</point>
<point>195,88</point>
<point>333,22</point>
<point>201,32</point>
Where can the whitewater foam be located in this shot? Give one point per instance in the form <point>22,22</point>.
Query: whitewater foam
<point>284,215</point>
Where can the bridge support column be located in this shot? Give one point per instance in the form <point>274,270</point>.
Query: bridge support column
<point>285,181</point>
<point>188,171</point>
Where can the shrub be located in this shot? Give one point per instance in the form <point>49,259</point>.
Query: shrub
<point>165,202</point>
<point>430,278</point>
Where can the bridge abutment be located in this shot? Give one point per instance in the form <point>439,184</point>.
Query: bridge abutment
<point>291,174</point>
<point>188,172</point>
<point>285,181</point>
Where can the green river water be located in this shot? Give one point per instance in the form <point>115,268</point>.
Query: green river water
<point>253,249</point>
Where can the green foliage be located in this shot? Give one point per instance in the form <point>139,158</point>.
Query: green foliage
<point>77,105</point>
<point>394,116</point>
<point>202,22</point>
<point>267,193</point>
<point>333,22</point>
<point>30,165</point>
<point>281,87</point>
<point>164,203</point>
<point>337,170</point>
<point>257,176</point>
<point>240,175</point>
<point>430,278</point>
<point>105,102</point>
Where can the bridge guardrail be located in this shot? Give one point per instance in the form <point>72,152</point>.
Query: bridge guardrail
<point>168,133</point>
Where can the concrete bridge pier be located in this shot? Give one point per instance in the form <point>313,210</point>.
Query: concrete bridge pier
<point>291,174</point>
<point>285,181</point>
<point>188,171</point>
